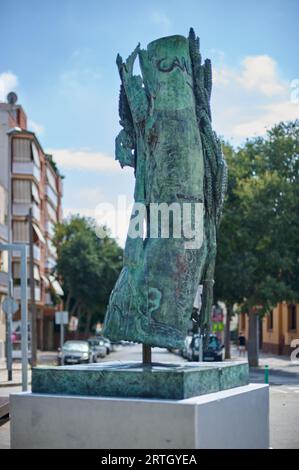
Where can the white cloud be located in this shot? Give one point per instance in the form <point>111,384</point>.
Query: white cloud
<point>89,195</point>
<point>272,114</point>
<point>8,82</point>
<point>35,127</point>
<point>260,74</point>
<point>250,98</point>
<point>256,73</point>
<point>85,160</point>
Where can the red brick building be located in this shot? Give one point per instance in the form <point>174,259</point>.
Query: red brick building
<point>29,179</point>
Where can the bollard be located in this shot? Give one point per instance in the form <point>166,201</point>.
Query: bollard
<point>266,374</point>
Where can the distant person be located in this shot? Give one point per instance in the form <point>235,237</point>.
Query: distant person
<point>241,344</point>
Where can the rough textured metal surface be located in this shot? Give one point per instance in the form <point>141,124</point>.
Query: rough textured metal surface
<point>131,379</point>
<point>168,139</point>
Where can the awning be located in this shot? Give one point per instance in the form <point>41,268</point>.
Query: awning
<point>56,286</point>
<point>46,281</point>
<point>38,233</point>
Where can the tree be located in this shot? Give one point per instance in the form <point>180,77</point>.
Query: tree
<point>88,267</point>
<point>258,245</point>
<point>229,248</point>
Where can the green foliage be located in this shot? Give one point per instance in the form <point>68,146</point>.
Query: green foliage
<point>258,249</point>
<point>88,267</point>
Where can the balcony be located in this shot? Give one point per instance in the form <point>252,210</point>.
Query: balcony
<point>22,209</point>
<point>3,281</point>
<point>50,263</point>
<point>51,195</point>
<point>26,168</point>
<point>51,213</point>
<point>17,293</point>
<point>48,299</point>
<point>49,228</point>
<point>36,253</point>
<point>3,232</point>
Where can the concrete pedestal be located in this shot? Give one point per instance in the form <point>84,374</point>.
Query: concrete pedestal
<point>235,418</point>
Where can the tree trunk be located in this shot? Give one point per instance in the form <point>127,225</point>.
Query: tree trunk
<point>78,326</point>
<point>68,300</point>
<point>88,321</point>
<point>253,339</point>
<point>229,311</point>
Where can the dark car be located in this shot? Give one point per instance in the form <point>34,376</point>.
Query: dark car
<point>214,351</point>
<point>98,347</point>
<point>76,352</point>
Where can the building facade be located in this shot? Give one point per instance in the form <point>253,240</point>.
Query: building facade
<point>28,179</point>
<point>277,329</point>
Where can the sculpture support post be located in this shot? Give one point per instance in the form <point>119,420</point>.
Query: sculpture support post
<point>146,354</point>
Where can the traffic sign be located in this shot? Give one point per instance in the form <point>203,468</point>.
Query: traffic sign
<point>10,305</point>
<point>62,318</point>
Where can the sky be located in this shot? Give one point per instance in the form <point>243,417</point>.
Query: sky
<point>59,56</point>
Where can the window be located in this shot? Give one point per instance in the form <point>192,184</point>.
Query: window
<point>21,191</point>
<point>270,320</point>
<point>51,179</point>
<point>292,317</point>
<point>35,155</point>
<point>22,150</point>
<point>35,193</point>
<point>3,206</point>
<point>4,261</point>
<point>20,232</point>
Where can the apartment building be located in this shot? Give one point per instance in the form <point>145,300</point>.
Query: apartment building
<point>28,179</point>
<point>277,329</point>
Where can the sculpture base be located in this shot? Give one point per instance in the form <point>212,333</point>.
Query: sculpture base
<point>131,379</point>
<point>231,419</point>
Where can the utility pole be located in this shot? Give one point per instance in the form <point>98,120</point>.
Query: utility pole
<point>32,294</point>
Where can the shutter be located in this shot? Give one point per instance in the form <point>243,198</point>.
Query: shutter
<point>35,155</point>
<point>21,150</point>
<point>35,193</point>
<point>51,179</point>
<point>20,232</point>
<point>21,191</point>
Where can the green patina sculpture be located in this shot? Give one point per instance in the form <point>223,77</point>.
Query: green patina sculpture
<point>168,139</point>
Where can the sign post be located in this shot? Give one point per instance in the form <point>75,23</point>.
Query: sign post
<point>61,318</point>
<point>24,314</point>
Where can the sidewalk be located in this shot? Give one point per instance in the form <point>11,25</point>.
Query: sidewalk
<point>44,358</point>
<point>277,364</point>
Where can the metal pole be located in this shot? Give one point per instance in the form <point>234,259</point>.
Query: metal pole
<point>9,321</point>
<point>10,282</point>
<point>32,294</point>
<point>200,352</point>
<point>146,354</point>
<point>24,318</point>
<point>61,331</point>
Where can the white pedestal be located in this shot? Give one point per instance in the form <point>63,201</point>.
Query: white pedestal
<point>231,419</point>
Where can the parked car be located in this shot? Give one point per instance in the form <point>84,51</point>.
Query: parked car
<point>214,351</point>
<point>108,345</point>
<point>194,347</point>
<point>76,352</point>
<point>98,347</point>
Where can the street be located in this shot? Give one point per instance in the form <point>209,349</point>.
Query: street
<point>283,380</point>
